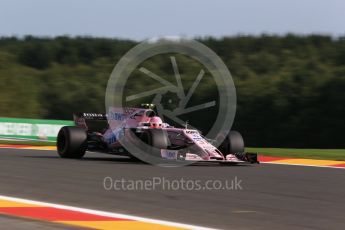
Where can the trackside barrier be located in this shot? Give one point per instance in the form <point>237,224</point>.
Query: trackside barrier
<point>21,129</point>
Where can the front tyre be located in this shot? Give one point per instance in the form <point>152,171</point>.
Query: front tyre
<point>71,142</point>
<point>232,144</point>
<point>156,138</point>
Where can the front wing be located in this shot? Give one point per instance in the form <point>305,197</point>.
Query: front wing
<point>230,158</point>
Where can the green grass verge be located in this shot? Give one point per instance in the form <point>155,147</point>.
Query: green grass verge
<point>39,143</point>
<point>325,154</point>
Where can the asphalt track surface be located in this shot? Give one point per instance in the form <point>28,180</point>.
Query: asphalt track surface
<point>272,196</point>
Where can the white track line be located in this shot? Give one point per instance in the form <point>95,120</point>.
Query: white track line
<point>106,214</point>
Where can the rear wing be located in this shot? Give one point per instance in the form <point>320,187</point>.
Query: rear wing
<point>92,122</point>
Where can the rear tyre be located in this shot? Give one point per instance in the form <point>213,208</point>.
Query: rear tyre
<point>71,142</point>
<point>232,144</point>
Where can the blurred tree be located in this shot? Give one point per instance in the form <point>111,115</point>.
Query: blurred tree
<point>290,89</point>
<point>36,55</point>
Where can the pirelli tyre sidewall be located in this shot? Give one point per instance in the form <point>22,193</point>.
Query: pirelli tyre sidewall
<point>71,142</point>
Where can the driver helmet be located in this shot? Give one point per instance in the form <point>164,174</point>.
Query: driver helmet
<point>156,122</point>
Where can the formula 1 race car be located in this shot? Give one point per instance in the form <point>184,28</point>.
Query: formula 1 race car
<point>103,133</point>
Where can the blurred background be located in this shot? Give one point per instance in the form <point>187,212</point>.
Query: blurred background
<point>287,59</point>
